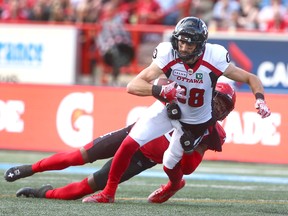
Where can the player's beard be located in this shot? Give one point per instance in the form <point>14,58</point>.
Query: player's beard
<point>185,57</point>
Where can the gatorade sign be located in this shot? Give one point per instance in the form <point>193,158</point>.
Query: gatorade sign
<point>57,118</point>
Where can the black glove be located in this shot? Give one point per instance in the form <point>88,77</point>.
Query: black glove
<point>187,141</point>
<point>173,111</point>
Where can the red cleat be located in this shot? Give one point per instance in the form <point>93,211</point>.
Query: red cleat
<point>98,198</point>
<point>163,193</point>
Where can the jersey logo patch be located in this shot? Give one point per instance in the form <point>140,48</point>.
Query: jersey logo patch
<point>199,76</point>
<point>179,73</point>
<point>190,71</point>
<point>155,53</point>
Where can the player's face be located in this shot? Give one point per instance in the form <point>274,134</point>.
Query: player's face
<point>185,48</point>
<point>219,107</point>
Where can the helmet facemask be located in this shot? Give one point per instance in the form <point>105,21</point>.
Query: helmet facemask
<point>222,106</point>
<point>197,52</point>
<point>223,101</point>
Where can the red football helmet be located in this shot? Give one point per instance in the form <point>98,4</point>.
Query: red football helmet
<point>223,101</point>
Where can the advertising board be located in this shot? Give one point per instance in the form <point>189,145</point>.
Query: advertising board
<point>41,54</point>
<point>56,118</point>
<point>260,53</point>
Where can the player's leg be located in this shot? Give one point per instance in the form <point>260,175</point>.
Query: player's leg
<point>172,168</point>
<point>93,183</point>
<point>98,180</point>
<point>56,161</point>
<point>100,148</point>
<point>175,183</point>
<point>106,146</point>
<point>175,151</point>
<point>146,129</point>
<point>138,164</point>
<point>72,191</point>
<point>175,168</point>
<point>190,162</point>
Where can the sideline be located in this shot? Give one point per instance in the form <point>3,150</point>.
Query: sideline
<point>161,174</point>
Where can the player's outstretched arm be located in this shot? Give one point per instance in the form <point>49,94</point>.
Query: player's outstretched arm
<point>239,75</point>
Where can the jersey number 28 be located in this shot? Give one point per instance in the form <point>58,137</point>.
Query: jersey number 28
<point>196,97</point>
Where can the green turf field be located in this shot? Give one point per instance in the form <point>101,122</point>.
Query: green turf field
<point>216,188</point>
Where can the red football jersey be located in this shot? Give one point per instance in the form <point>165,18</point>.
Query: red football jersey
<point>156,148</point>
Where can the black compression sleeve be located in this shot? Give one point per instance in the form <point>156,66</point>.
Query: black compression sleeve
<point>156,91</point>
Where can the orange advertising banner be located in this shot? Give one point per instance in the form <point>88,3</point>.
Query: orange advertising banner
<point>57,118</point>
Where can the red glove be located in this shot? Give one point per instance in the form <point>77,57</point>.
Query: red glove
<point>169,92</point>
<point>262,107</point>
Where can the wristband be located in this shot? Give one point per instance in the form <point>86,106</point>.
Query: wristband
<point>156,90</point>
<point>259,95</point>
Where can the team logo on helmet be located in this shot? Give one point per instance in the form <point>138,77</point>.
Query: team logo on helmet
<point>155,53</point>
<point>228,57</point>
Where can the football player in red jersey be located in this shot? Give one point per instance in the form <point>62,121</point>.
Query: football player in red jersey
<point>195,66</point>
<point>106,146</point>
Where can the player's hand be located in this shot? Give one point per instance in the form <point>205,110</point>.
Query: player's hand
<point>262,107</point>
<point>173,111</point>
<point>187,141</point>
<point>171,92</point>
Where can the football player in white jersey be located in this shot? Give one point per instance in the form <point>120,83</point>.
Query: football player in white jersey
<point>194,65</point>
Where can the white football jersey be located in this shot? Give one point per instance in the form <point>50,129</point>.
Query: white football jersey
<point>198,81</point>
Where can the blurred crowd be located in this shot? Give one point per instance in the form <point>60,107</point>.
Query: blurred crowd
<point>266,15</point>
<point>93,11</point>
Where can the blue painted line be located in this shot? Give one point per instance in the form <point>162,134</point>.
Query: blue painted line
<point>161,174</point>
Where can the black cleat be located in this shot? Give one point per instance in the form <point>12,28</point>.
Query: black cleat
<point>34,193</point>
<point>15,173</point>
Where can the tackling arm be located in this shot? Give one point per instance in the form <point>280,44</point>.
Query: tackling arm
<point>213,141</point>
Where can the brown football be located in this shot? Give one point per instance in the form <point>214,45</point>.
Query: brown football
<point>162,81</point>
